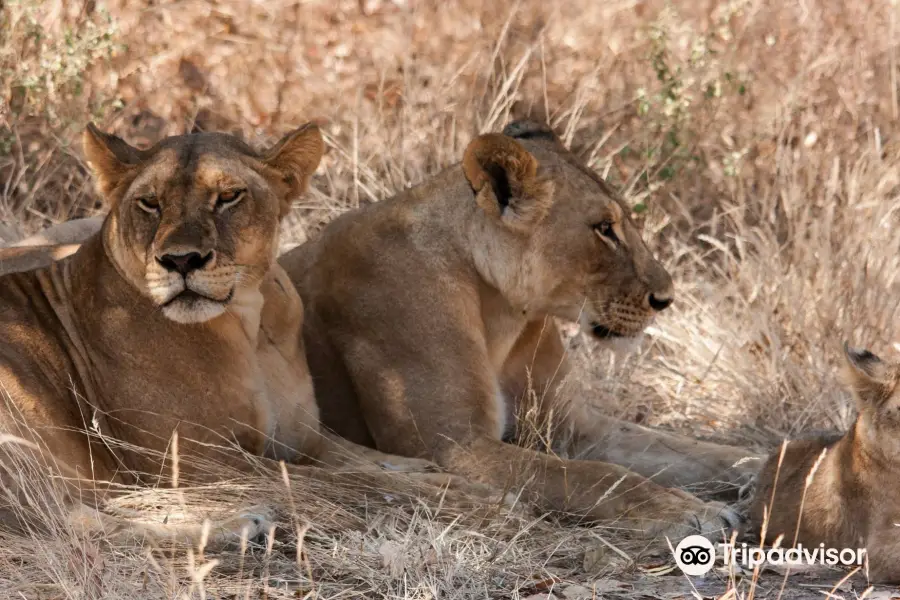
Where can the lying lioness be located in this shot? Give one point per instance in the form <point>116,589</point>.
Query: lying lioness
<point>173,317</point>
<point>851,500</point>
<point>425,313</point>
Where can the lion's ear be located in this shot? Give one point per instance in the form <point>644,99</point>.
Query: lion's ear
<point>503,175</point>
<point>867,376</point>
<point>110,157</point>
<point>296,157</point>
<point>528,129</point>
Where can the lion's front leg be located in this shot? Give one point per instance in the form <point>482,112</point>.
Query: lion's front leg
<point>536,371</point>
<point>345,456</point>
<point>339,452</point>
<point>667,458</point>
<point>591,490</point>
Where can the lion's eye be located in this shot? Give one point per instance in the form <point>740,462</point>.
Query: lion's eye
<point>148,204</point>
<point>605,230</point>
<point>229,198</point>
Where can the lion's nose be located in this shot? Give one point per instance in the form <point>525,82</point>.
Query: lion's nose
<point>659,302</point>
<point>184,263</point>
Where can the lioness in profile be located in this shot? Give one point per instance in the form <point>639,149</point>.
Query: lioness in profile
<point>852,499</point>
<point>427,312</point>
<point>173,317</point>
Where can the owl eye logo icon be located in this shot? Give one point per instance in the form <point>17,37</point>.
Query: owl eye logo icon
<point>695,555</point>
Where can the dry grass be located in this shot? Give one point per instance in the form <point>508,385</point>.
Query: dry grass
<point>758,135</point>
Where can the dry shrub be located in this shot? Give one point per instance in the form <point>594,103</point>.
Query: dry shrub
<point>46,52</point>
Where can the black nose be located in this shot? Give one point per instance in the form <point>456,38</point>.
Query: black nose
<point>659,304</point>
<point>184,263</point>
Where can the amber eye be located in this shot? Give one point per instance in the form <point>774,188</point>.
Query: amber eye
<point>148,204</point>
<point>605,230</point>
<point>229,198</point>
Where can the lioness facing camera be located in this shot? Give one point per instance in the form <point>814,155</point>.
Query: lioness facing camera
<point>423,312</point>
<point>851,500</point>
<point>173,317</point>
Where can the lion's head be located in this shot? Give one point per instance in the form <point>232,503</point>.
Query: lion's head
<point>194,220</point>
<point>578,255</point>
<point>875,384</point>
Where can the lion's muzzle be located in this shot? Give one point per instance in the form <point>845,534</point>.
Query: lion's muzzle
<point>189,286</point>
<point>184,263</point>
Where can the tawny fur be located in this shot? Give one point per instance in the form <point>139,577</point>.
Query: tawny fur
<point>425,311</point>
<point>850,501</point>
<point>88,343</point>
<point>537,357</point>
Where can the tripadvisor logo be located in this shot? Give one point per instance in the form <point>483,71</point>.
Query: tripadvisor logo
<point>695,555</point>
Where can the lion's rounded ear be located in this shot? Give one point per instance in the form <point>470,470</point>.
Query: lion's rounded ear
<point>866,375</point>
<point>109,156</point>
<point>503,175</point>
<point>529,129</point>
<point>296,156</point>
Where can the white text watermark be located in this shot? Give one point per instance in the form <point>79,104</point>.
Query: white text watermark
<point>696,555</point>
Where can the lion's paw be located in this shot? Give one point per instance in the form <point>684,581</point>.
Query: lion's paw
<point>677,515</point>
<point>257,522</point>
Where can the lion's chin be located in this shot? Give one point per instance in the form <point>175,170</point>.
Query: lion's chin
<point>618,341</point>
<point>190,307</point>
<point>602,332</point>
<point>623,346</point>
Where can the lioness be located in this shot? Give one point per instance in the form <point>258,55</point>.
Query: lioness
<point>425,311</point>
<point>851,500</point>
<point>173,317</point>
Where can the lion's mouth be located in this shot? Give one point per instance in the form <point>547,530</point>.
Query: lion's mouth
<point>190,297</point>
<point>191,306</point>
<point>604,333</point>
